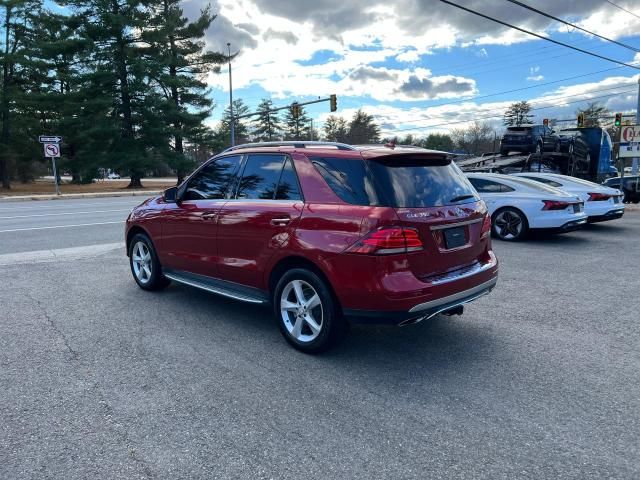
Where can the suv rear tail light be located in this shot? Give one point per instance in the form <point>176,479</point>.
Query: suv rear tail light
<point>555,205</point>
<point>598,197</point>
<point>388,241</point>
<point>486,226</point>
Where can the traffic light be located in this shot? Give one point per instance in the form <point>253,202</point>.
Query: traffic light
<point>581,120</point>
<point>618,121</point>
<point>545,122</point>
<point>333,102</point>
<point>295,110</point>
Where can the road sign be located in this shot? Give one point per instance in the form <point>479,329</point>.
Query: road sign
<point>51,150</point>
<point>630,141</point>
<point>51,139</point>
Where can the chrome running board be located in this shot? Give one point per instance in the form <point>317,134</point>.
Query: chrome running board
<point>219,287</point>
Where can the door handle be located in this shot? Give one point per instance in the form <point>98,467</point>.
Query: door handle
<point>209,216</point>
<point>280,221</point>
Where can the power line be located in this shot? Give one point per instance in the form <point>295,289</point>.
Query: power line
<point>622,8</point>
<point>540,12</point>
<point>502,114</point>
<point>480,97</point>
<point>542,37</point>
<point>620,85</point>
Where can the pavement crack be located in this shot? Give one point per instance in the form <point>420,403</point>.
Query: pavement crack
<point>74,354</point>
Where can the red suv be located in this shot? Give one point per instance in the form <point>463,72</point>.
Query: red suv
<point>328,234</point>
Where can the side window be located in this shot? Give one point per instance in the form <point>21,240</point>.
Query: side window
<point>487,186</point>
<point>348,179</point>
<point>546,181</point>
<point>288,187</point>
<point>213,181</point>
<point>260,177</point>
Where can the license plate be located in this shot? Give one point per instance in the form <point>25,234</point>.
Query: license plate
<point>455,237</point>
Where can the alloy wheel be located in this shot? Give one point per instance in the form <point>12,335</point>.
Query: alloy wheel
<point>142,262</point>
<point>301,310</point>
<point>509,225</point>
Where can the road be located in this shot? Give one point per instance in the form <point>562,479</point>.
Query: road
<point>103,380</point>
<point>39,225</point>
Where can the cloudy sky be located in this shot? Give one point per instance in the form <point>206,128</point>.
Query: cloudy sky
<point>421,65</point>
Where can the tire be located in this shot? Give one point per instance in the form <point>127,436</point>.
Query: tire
<point>145,267</point>
<point>509,224</point>
<point>314,323</point>
<point>504,152</point>
<point>557,147</point>
<point>538,148</point>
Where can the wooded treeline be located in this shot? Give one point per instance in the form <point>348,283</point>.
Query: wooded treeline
<point>122,81</point>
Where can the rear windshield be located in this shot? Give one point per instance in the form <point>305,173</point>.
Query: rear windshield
<point>396,181</point>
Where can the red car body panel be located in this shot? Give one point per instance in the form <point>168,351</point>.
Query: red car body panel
<point>250,232</point>
<point>243,241</point>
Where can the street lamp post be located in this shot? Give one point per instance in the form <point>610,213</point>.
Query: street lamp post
<point>231,120</point>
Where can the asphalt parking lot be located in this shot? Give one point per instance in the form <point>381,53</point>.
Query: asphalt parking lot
<point>538,380</point>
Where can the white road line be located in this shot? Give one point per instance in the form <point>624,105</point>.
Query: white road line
<point>59,226</point>
<point>60,254</point>
<point>63,213</point>
<point>40,205</point>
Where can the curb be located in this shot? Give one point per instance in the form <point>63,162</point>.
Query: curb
<point>67,196</point>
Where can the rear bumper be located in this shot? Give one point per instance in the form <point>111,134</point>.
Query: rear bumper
<point>518,147</point>
<point>611,215</point>
<point>421,311</point>
<point>573,225</point>
<point>461,288</point>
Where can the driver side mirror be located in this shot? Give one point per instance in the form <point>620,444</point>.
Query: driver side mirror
<point>170,195</point>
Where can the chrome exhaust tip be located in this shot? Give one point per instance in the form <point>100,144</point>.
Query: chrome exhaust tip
<point>411,321</point>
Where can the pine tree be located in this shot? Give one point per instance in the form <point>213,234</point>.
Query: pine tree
<point>55,96</point>
<point>17,23</point>
<point>518,114</point>
<point>336,129</point>
<point>241,130</point>
<point>267,125</point>
<point>117,71</point>
<point>592,114</point>
<point>297,128</point>
<point>176,51</point>
<point>363,129</point>
<point>438,141</point>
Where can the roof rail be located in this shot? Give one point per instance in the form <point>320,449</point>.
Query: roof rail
<point>293,143</point>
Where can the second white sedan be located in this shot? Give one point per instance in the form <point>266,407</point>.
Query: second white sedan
<point>600,202</point>
<point>517,205</point>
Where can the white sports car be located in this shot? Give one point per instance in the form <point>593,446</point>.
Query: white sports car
<point>600,202</point>
<point>517,205</point>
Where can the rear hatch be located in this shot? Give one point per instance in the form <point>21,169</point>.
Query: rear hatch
<point>518,134</point>
<point>430,194</point>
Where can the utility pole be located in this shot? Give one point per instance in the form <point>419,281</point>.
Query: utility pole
<point>634,164</point>
<point>232,125</point>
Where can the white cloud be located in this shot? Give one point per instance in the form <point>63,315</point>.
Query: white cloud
<point>560,103</point>
<point>276,36</point>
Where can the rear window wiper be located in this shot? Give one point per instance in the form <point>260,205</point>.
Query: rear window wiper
<point>462,197</point>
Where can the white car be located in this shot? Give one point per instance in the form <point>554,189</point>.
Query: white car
<point>600,202</point>
<point>113,176</point>
<point>517,205</point>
